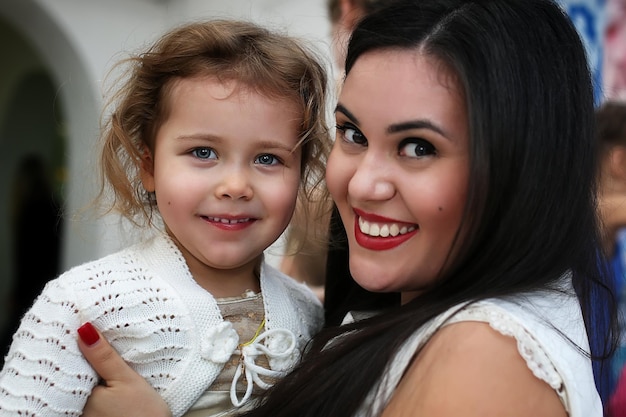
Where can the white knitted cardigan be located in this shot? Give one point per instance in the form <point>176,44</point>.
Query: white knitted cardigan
<point>159,319</point>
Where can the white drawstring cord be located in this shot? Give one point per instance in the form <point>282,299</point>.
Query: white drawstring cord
<point>253,372</point>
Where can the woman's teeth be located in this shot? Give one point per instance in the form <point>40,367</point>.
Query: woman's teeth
<point>383,229</point>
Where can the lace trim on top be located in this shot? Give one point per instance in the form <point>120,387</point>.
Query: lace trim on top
<point>535,356</point>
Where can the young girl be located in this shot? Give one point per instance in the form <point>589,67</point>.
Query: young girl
<point>217,128</point>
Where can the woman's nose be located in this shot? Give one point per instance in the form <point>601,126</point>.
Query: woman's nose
<point>372,180</point>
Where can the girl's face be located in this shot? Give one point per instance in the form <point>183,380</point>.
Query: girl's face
<point>226,172</point>
<point>399,169</point>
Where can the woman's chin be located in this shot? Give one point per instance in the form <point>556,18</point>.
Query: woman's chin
<point>372,280</point>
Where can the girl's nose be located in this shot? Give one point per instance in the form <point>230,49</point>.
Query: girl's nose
<point>235,185</point>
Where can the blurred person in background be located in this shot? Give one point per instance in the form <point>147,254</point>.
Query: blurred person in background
<point>614,63</point>
<point>36,220</point>
<point>611,138</point>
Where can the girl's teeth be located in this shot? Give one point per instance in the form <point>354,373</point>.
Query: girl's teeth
<point>227,221</point>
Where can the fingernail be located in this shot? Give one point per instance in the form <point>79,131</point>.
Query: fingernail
<point>88,334</point>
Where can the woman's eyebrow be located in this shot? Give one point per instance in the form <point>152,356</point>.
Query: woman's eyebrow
<point>416,124</point>
<point>397,127</point>
<point>342,109</point>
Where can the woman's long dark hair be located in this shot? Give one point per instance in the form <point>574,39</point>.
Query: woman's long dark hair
<point>531,210</point>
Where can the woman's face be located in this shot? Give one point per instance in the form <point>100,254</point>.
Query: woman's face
<point>399,169</point>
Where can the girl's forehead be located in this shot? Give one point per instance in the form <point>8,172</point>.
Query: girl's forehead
<point>224,88</point>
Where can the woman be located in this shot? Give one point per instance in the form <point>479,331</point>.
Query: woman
<point>464,173</point>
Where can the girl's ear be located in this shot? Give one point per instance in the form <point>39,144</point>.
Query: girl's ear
<point>147,170</point>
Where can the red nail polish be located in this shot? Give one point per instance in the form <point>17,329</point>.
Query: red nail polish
<point>88,334</point>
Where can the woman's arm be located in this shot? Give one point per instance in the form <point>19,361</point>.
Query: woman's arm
<point>123,392</point>
<point>468,369</point>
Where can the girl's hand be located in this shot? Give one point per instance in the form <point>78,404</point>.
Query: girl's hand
<point>123,392</point>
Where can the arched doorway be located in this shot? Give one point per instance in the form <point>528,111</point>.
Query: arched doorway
<point>32,149</point>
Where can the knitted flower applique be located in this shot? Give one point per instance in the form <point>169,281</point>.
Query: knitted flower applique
<point>282,352</point>
<point>219,343</point>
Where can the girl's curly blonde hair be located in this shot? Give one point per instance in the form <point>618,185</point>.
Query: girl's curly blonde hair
<point>272,64</point>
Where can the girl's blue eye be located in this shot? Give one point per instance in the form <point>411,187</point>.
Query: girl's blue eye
<point>267,159</point>
<point>417,148</point>
<point>351,134</point>
<point>204,153</point>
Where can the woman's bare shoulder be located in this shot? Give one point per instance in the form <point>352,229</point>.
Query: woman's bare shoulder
<point>468,368</point>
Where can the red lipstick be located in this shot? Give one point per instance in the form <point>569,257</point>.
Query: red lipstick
<point>379,243</point>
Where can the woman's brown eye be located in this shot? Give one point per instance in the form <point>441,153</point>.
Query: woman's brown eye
<point>416,148</point>
<point>351,134</point>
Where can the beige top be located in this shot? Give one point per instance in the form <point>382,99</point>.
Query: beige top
<point>246,314</point>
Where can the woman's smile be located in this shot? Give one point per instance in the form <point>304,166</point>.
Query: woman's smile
<point>377,232</point>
